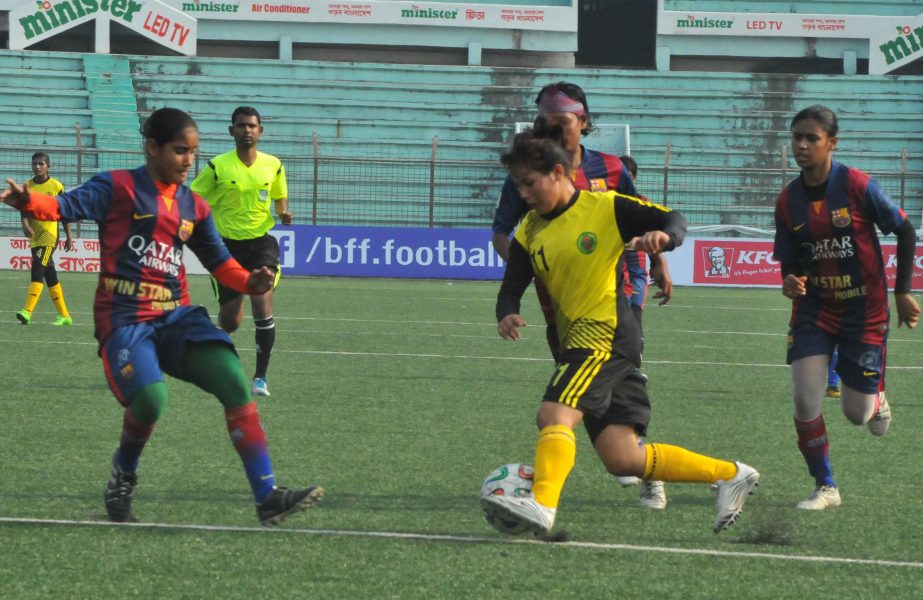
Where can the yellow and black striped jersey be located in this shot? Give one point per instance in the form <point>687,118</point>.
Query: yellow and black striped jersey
<point>44,233</point>
<point>574,251</point>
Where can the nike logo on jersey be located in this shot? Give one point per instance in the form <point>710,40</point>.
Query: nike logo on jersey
<point>798,227</point>
<point>870,373</point>
<point>138,217</point>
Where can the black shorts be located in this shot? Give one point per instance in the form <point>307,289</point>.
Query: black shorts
<point>607,389</point>
<point>251,254</point>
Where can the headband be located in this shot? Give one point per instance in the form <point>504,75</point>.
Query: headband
<point>556,101</point>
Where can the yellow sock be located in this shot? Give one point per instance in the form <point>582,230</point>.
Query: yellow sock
<point>57,296</point>
<point>672,463</point>
<point>555,452</point>
<point>32,296</point>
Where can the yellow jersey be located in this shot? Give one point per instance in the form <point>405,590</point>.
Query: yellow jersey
<point>44,233</point>
<point>574,251</point>
<point>240,195</point>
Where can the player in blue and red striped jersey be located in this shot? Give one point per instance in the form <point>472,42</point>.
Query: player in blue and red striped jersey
<point>636,275</point>
<point>564,104</point>
<point>145,323</point>
<point>833,270</point>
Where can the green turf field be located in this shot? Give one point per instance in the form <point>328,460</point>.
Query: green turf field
<point>399,398</point>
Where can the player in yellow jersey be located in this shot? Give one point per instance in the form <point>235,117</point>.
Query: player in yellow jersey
<point>240,185</point>
<point>43,239</point>
<point>572,241</point>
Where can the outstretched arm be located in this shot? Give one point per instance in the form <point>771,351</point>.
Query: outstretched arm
<point>17,195</point>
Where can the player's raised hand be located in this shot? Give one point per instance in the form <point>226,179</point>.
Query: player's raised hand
<point>260,280</point>
<point>908,311</point>
<point>17,195</point>
<point>508,328</point>
<point>652,242</point>
<point>794,285</point>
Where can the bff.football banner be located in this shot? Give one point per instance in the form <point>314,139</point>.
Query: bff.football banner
<point>446,253</point>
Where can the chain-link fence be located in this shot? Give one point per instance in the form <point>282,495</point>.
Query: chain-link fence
<point>391,185</point>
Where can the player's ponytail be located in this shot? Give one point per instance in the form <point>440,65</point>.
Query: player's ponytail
<point>166,124</point>
<point>537,149</point>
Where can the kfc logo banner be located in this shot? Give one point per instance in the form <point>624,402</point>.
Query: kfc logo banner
<point>749,263</point>
<point>734,262</point>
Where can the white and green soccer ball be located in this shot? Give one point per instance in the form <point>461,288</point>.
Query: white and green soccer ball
<point>514,480</point>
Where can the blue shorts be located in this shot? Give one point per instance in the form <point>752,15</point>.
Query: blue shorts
<point>861,366</point>
<point>138,355</point>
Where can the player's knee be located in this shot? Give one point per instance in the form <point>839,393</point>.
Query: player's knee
<point>857,413</point>
<point>622,466</point>
<point>149,404</point>
<point>229,323</point>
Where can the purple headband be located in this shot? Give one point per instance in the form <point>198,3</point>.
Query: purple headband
<point>556,101</point>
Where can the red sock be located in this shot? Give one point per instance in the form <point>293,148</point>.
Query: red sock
<point>135,435</point>
<point>249,440</point>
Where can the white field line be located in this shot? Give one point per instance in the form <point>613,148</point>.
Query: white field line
<point>487,324</point>
<point>425,537</point>
<point>465,356</point>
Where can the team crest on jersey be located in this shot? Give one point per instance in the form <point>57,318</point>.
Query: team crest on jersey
<point>586,242</point>
<point>185,229</point>
<point>840,217</point>
<point>597,185</point>
<point>127,372</point>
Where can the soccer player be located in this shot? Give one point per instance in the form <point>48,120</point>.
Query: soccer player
<point>572,240</point>
<point>565,105</point>
<point>239,186</point>
<point>145,323</point>
<point>636,264</point>
<point>43,240</point>
<point>833,270</point>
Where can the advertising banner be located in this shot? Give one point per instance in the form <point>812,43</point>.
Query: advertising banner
<point>440,253</point>
<point>33,22</point>
<point>893,41</point>
<point>749,263</point>
<point>755,24</point>
<point>439,14</point>
<point>894,46</point>
<point>446,253</point>
<point>337,251</point>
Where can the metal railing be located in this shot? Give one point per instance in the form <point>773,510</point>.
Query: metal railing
<point>387,185</point>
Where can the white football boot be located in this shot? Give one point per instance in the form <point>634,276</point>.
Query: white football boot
<point>526,510</point>
<point>822,498</point>
<point>881,420</point>
<point>732,494</point>
<point>653,495</point>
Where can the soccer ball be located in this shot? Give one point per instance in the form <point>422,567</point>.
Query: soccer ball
<point>509,480</point>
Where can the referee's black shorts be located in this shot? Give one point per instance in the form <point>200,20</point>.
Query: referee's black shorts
<point>251,254</point>
<point>608,390</point>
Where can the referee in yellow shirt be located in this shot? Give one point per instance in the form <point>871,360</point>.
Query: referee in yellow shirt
<point>43,239</point>
<point>239,186</point>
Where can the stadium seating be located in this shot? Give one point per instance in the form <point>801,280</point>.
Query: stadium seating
<point>388,116</point>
